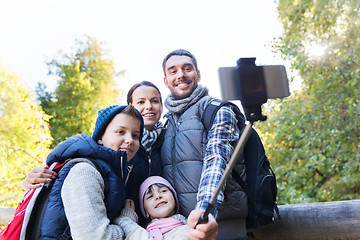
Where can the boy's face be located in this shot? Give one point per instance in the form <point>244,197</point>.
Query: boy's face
<point>122,133</point>
<point>159,203</point>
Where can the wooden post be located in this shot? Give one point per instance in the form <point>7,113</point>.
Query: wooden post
<point>327,220</point>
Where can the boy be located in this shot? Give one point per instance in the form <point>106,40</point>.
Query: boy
<point>88,195</point>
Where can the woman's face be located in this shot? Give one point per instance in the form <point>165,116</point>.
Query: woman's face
<point>147,101</point>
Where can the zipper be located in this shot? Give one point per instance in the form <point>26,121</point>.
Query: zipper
<point>149,165</point>
<point>129,168</point>
<point>121,162</point>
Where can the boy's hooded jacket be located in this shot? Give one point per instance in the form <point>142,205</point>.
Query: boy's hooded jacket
<point>113,167</point>
<point>113,164</point>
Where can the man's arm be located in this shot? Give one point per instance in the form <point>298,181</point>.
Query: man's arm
<point>208,231</point>
<point>220,146</point>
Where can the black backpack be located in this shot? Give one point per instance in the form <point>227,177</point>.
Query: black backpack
<point>261,189</point>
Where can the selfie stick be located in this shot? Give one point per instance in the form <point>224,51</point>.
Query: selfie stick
<point>237,153</point>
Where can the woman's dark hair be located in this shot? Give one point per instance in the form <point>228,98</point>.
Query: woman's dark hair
<point>135,86</point>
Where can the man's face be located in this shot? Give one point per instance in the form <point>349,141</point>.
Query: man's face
<point>181,77</point>
<point>122,133</point>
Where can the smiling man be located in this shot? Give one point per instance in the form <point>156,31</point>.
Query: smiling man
<point>181,76</point>
<point>194,160</point>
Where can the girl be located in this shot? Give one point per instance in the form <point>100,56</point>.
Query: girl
<point>159,203</point>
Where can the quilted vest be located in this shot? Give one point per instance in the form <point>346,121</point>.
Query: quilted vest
<point>54,222</point>
<point>182,155</point>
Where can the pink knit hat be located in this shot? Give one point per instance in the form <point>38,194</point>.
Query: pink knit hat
<point>150,181</point>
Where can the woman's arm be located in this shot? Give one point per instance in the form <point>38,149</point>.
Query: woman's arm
<point>37,176</point>
<point>83,198</point>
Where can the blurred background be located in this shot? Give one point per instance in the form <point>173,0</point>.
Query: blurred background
<point>61,61</point>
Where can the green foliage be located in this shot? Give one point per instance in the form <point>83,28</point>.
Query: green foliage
<point>24,136</point>
<point>87,84</point>
<point>313,136</point>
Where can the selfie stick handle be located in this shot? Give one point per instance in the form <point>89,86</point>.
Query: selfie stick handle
<point>237,153</point>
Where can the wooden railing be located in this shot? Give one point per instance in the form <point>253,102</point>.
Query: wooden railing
<point>328,220</point>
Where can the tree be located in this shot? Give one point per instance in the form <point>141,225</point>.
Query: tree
<point>87,83</point>
<point>24,136</point>
<point>313,136</point>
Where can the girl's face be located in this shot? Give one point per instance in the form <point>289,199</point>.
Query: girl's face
<point>147,101</point>
<point>159,202</point>
<point>122,133</point>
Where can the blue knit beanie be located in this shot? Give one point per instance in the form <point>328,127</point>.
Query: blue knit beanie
<point>104,118</point>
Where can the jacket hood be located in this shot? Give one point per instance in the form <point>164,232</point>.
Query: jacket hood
<point>83,146</point>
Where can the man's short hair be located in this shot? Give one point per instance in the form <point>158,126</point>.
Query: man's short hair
<point>179,52</point>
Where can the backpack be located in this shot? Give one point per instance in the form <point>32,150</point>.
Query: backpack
<point>261,189</point>
<point>28,215</point>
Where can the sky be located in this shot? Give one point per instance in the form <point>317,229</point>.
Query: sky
<point>138,35</point>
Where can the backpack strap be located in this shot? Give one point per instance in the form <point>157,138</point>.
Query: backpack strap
<point>211,110</point>
<point>239,180</point>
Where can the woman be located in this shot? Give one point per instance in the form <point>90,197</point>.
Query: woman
<point>146,98</point>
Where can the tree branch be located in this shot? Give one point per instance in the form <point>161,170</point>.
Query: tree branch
<point>24,150</point>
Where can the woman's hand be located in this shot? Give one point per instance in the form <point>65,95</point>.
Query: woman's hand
<point>37,176</point>
<point>207,230</point>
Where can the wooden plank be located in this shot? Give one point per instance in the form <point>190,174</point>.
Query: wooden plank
<point>327,220</point>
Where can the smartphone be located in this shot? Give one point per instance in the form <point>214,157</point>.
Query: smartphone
<point>274,78</point>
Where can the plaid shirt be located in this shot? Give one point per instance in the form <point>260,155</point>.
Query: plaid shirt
<point>221,138</point>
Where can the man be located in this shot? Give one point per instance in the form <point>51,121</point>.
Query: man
<point>194,160</point>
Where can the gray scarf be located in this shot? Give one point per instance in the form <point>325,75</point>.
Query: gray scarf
<point>150,137</point>
<point>179,106</point>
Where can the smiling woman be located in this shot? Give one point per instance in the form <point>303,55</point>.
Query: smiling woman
<point>146,98</point>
